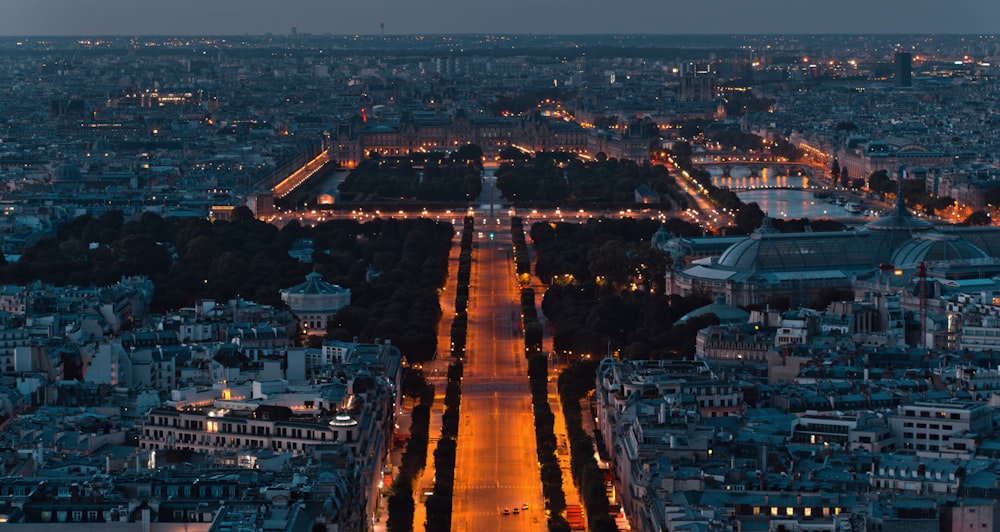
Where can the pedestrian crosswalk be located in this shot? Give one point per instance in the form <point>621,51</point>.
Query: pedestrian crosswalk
<point>487,379</point>
<point>489,395</point>
<point>493,486</point>
<point>491,390</point>
<point>531,522</point>
<point>497,512</point>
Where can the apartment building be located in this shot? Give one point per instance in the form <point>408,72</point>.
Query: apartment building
<point>930,426</point>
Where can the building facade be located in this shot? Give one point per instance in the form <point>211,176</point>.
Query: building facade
<point>930,426</point>
<point>315,301</point>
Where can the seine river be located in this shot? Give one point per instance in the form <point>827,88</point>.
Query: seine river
<point>784,203</point>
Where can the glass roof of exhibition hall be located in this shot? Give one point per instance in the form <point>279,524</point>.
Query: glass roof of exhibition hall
<point>799,251</point>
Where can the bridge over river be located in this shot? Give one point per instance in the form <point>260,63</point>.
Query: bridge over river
<point>753,169</point>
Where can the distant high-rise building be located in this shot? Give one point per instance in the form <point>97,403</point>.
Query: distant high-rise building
<point>697,87</point>
<point>904,69</point>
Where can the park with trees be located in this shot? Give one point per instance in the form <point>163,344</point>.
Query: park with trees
<point>420,178</point>
<point>555,179</point>
<point>605,289</point>
<point>393,267</point>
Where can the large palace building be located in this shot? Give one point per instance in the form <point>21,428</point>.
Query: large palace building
<point>765,264</point>
<point>429,131</point>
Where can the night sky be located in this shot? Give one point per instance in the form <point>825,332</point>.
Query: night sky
<point>254,17</point>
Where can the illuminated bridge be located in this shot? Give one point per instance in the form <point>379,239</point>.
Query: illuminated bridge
<point>755,168</point>
<point>745,188</point>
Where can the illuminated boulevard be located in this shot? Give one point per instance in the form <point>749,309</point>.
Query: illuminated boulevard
<point>301,175</point>
<point>496,466</point>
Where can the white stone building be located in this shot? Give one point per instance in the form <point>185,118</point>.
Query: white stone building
<point>315,301</point>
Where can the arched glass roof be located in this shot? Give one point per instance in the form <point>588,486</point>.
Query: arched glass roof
<point>801,251</point>
<point>935,247</point>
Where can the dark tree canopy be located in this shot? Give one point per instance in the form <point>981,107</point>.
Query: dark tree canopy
<point>545,178</point>
<point>607,293</point>
<point>393,268</point>
<point>978,218</point>
<point>438,179</point>
<point>879,182</point>
<point>469,154</point>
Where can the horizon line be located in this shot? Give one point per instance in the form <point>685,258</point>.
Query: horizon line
<point>519,34</point>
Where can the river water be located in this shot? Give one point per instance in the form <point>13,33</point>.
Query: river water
<point>787,202</point>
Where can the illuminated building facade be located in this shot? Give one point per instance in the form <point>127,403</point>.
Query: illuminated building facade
<point>347,418</point>
<point>861,156</point>
<point>427,131</point>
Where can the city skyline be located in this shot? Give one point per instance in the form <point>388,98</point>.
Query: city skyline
<point>498,281</point>
<point>239,17</point>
